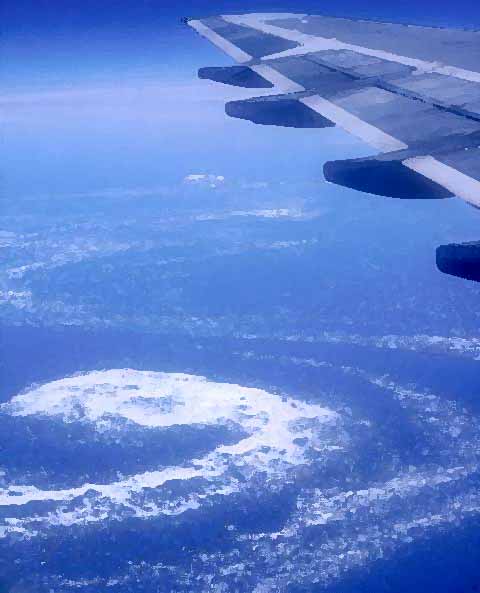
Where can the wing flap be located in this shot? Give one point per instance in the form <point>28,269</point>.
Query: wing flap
<point>356,126</point>
<point>396,112</point>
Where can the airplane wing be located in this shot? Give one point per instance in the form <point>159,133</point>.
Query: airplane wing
<point>412,93</point>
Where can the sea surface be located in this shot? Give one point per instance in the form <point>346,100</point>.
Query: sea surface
<point>236,384</point>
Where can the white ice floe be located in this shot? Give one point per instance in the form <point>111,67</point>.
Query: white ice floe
<point>450,429</point>
<point>346,527</point>
<point>60,252</point>
<point>268,213</point>
<point>20,299</point>
<point>374,521</point>
<point>277,433</point>
<point>7,239</point>
<point>466,346</point>
<point>204,179</point>
<point>20,271</point>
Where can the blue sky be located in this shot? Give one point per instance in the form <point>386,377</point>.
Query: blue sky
<point>101,94</point>
<point>90,38</point>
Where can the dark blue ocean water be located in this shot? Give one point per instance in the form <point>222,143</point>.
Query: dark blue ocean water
<point>54,455</point>
<point>323,299</point>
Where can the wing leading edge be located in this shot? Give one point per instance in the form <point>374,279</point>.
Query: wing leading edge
<point>417,104</point>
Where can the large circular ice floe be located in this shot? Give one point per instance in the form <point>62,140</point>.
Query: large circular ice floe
<point>277,435</point>
<point>339,515</point>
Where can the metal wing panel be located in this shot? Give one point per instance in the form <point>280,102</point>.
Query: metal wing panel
<point>370,79</point>
<point>254,43</point>
<point>459,95</point>
<point>412,122</point>
<point>437,89</point>
<point>311,75</point>
<point>466,161</point>
<point>458,171</point>
<point>459,48</point>
<point>360,65</point>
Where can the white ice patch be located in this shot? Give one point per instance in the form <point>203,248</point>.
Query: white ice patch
<point>20,299</point>
<point>466,346</point>
<point>279,433</point>
<point>269,213</point>
<point>368,523</point>
<point>7,239</point>
<point>204,179</point>
<point>60,252</point>
<point>450,428</point>
<point>331,530</point>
